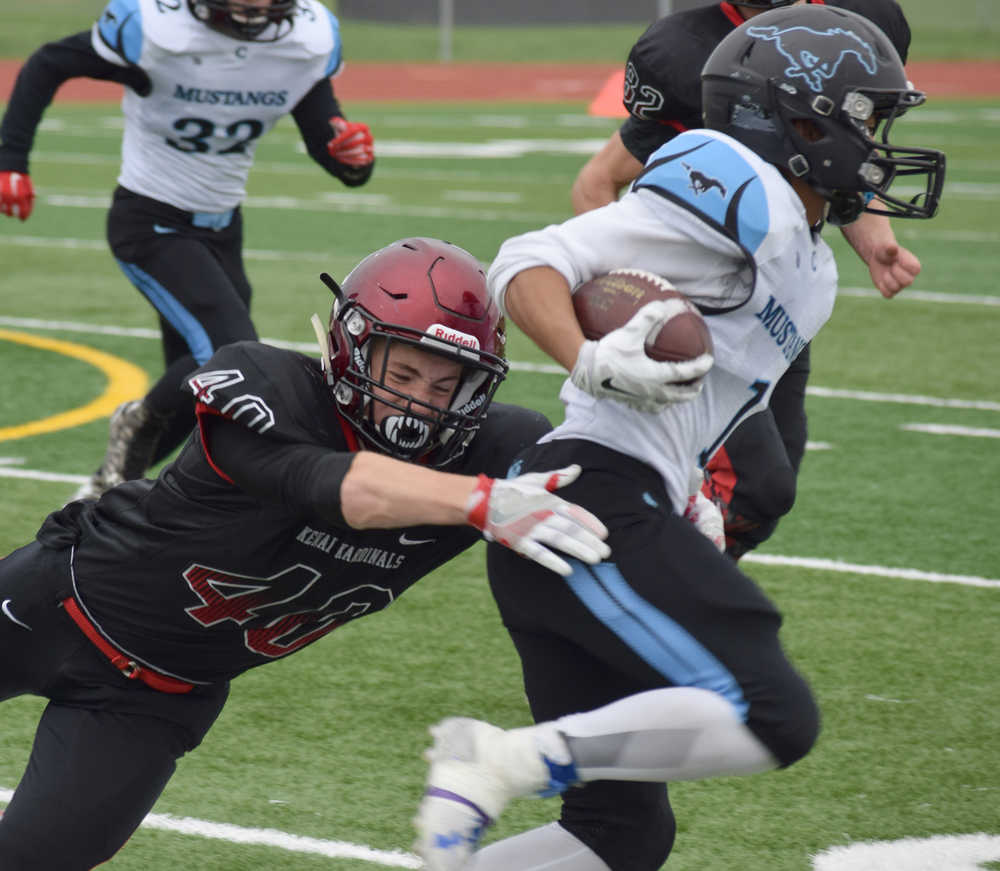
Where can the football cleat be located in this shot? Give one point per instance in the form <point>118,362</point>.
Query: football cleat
<point>133,433</point>
<point>475,770</point>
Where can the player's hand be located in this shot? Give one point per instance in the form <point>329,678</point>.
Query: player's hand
<point>17,195</point>
<point>616,366</point>
<point>892,268</point>
<point>525,515</point>
<point>707,518</point>
<point>352,142</point>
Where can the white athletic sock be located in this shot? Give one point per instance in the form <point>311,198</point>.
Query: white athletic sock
<point>549,848</point>
<point>677,733</point>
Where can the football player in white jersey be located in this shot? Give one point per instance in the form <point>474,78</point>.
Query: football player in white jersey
<point>664,663</point>
<point>753,476</point>
<point>204,80</point>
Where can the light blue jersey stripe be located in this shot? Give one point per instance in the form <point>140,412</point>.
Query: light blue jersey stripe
<point>661,642</point>
<point>336,55</point>
<point>167,305</point>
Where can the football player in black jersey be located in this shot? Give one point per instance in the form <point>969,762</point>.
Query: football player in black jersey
<point>752,478</point>
<point>309,494</point>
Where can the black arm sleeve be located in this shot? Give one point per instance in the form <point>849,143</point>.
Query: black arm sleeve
<point>642,137</point>
<point>312,114</point>
<point>302,477</point>
<point>37,83</point>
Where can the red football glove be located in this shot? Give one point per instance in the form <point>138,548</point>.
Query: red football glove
<point>16,194</point>
<point>525,515</point>
<point>353,143</point>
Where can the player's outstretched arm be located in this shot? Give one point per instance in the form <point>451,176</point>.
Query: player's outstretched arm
<point>522,513</point>
<point>892,267</point>
<point>603,176</point>
<point>36,85</point>
<point>345,149</point>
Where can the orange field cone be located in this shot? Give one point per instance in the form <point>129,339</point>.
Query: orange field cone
<point>608,102</point>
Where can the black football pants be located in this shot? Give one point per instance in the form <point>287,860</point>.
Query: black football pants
<point>193,276</point>
<point>667,610</point>
<point>753,476</point>
<point>105,746</point>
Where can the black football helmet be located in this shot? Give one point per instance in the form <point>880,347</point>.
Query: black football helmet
<point>838,71</point>
<point>246,20</point>
<point>431,295</point>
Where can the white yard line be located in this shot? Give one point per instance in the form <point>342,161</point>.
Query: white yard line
<point>941,429</point>
<point>831,565</point>
<point>515,365</point>
<point>272,838</point>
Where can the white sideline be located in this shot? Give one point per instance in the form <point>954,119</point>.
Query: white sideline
<point>271,838</point>
<point>831,565</point>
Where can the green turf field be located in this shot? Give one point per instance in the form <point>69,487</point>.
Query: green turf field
<point>888,569</point>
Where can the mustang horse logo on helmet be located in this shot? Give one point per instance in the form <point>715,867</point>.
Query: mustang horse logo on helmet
<point>813,69</point>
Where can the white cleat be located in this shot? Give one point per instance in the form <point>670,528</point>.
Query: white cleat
<point>475,770</point>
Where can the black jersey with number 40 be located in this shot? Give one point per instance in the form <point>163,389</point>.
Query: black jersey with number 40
<point>663,73</point>
<point>201,579</point>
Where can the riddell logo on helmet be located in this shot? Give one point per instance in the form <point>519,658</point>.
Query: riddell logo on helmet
<point>456,337</point>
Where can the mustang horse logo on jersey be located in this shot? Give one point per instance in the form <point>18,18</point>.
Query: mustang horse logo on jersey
<point>811,68</point>
<point>701,183</point>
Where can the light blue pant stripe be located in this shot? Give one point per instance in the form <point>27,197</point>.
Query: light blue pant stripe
<point>661,642</point>
<point>167,305</point>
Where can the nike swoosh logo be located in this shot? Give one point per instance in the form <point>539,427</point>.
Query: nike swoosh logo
<point>405,539</point>
<point>608,385</point>
<point>159,228</point>
<point>5,607</point>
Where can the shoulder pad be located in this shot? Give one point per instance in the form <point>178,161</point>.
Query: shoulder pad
<point>716,178</point>
<point>267,390</point>
<point>120,29</point>
<point>317,34</point>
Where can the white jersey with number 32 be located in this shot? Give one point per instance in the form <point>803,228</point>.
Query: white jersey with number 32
<point>727,230</point>
<point>190,142</point>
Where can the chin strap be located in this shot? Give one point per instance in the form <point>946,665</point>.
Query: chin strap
<point>845,207</point>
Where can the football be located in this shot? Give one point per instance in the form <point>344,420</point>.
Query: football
<point>608,301</point>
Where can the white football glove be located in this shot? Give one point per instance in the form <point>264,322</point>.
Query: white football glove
<point>616,366</point>
<point>703,512</point>
<point>707,519</point>
<point>524,514</point>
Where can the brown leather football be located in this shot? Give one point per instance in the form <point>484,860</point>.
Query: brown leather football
<point>607,302</point>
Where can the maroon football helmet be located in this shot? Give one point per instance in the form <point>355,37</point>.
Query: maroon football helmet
<point>430,295</point>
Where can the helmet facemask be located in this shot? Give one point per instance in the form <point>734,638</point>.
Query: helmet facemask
<point>414,429</point>
<point>246,21</point>
<point>850,161</point>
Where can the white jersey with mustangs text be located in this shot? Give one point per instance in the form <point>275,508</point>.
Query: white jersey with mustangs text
<point>191,141</point>
<point>725,228</point>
